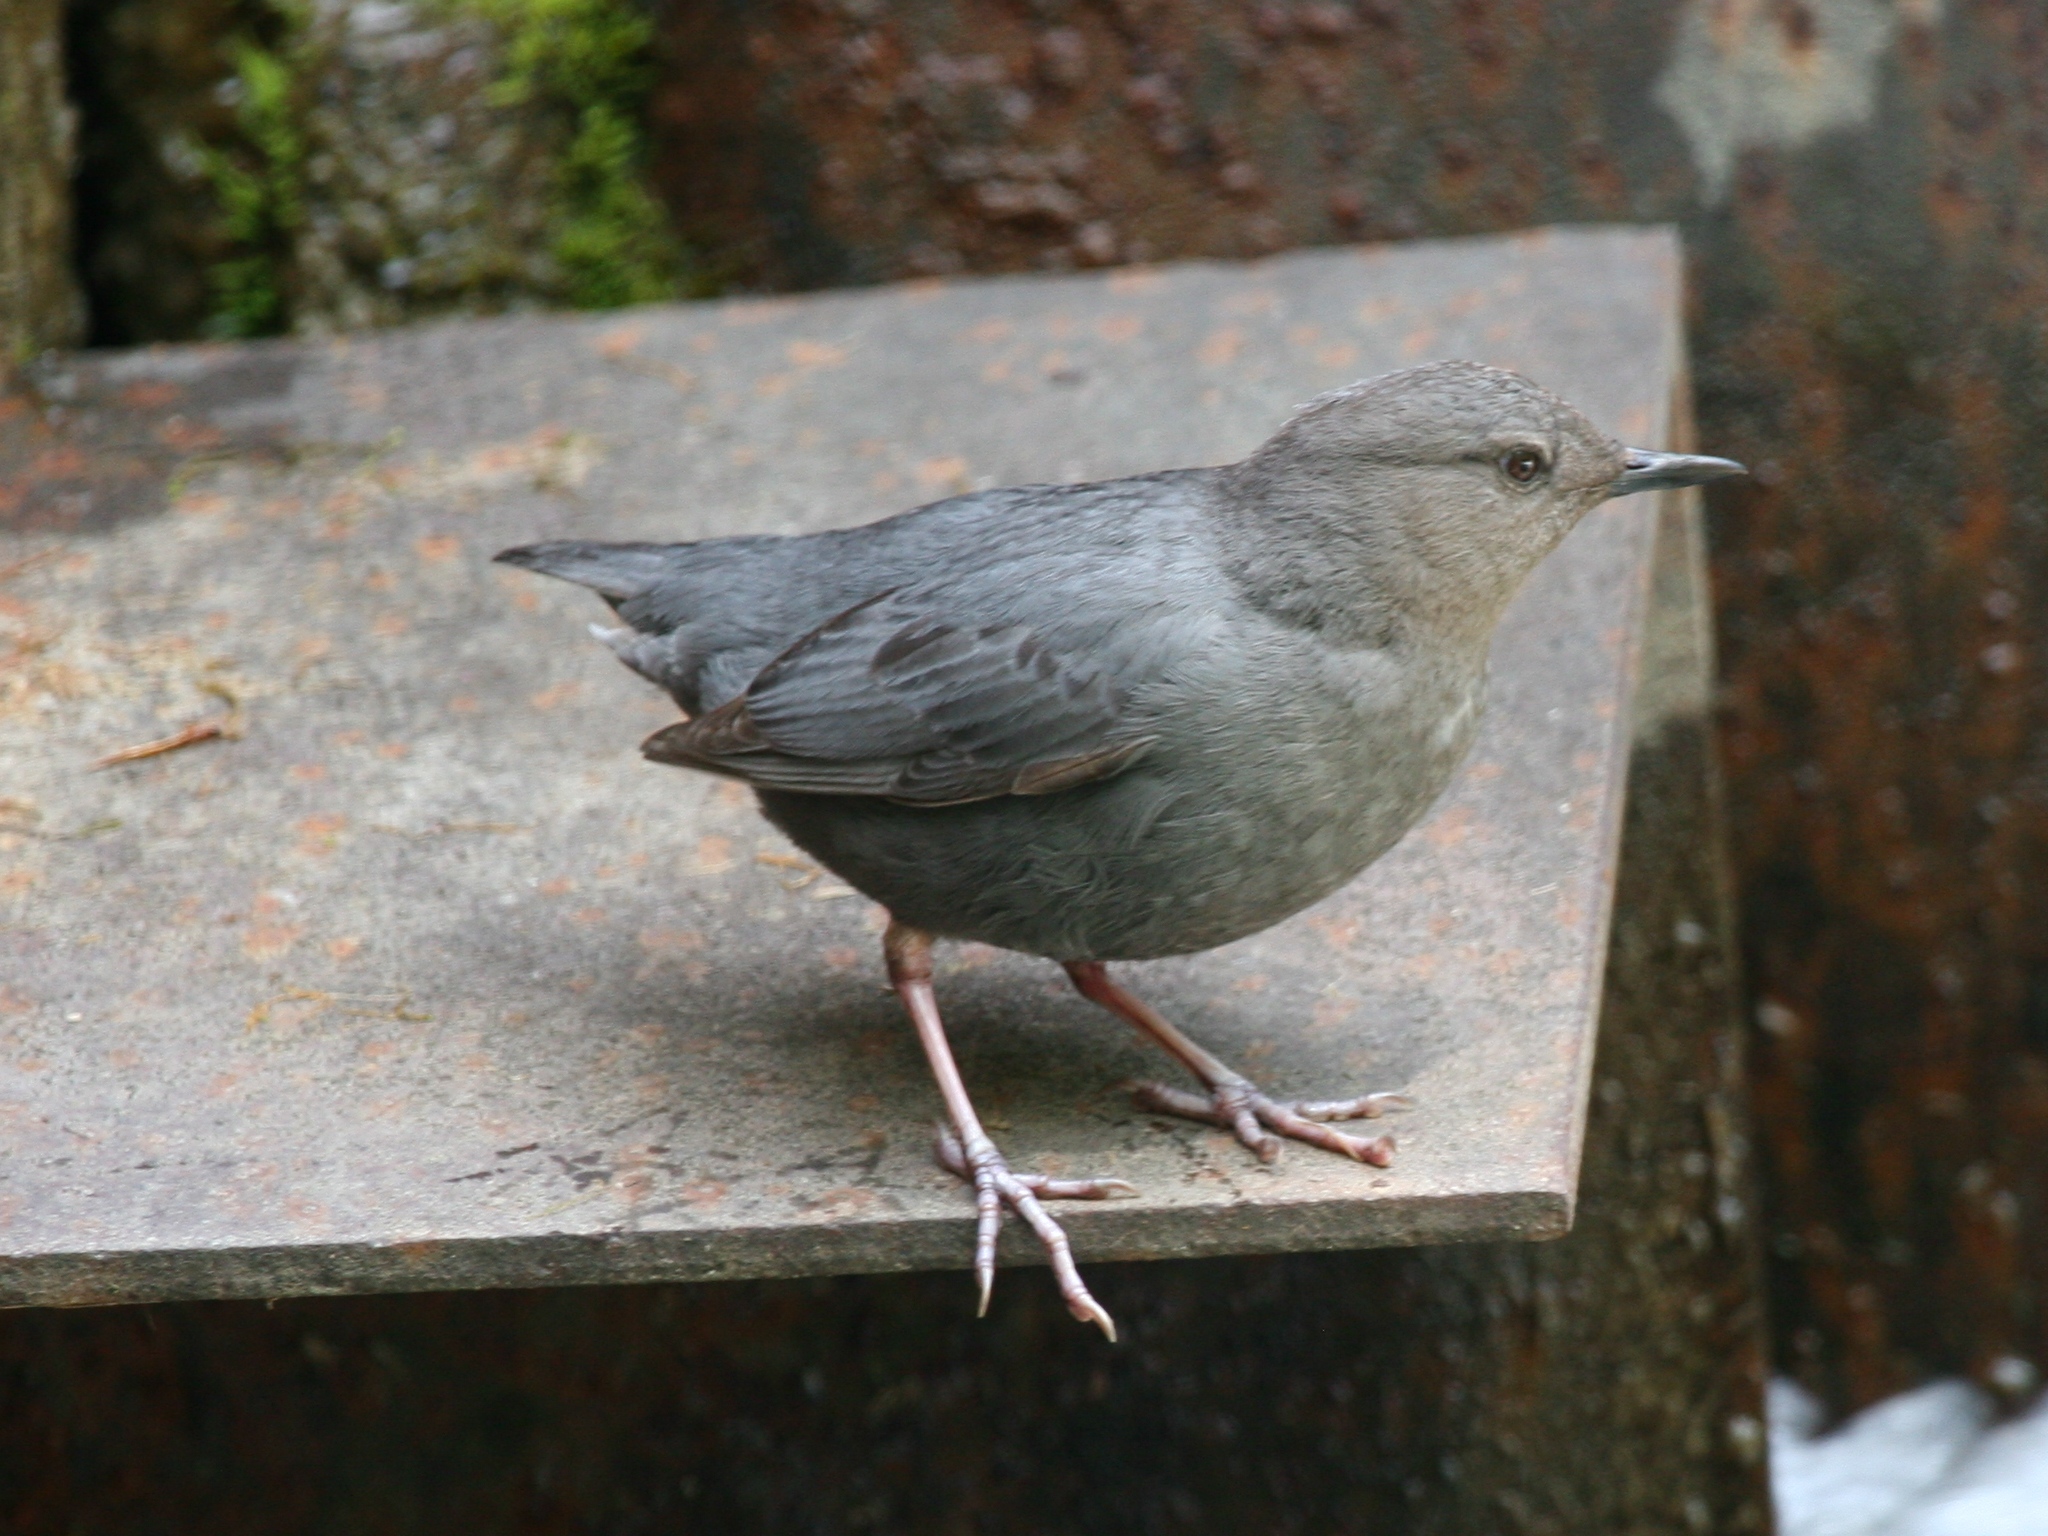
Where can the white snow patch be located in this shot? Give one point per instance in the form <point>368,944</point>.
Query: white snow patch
<point>1923,1463</point>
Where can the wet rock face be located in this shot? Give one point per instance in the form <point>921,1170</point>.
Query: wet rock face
<point>424,193</point>
<point>359,164</point>
<point>38,301</point>
<point>147,77</point>
<point>828,141</point>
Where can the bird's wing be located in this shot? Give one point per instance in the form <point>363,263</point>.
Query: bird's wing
<point>898,699</point>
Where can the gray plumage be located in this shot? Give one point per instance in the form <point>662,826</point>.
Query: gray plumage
<point>1134,718</point>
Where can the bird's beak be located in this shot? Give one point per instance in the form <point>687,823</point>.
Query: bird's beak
<point>1650,471</point>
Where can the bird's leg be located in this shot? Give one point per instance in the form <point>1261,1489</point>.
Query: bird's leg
<point>1232,1101</point>
<point>966,1150</point>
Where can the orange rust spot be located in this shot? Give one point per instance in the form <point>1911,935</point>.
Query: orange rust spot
<point>815,354</point>
<point>844,1199</point>
<point>634,1186</point>
<point>1221,347</point>
<point>1329,1011</point>
<point>1338,932</point>
<point>387,626</point>
<point>344,949</point>
<point>307,773</point>
<point>714,856</point>
<point>319,835</point>
<point>149,395</point>
<point>560,885</point>
<point>548,698</point>
<point>57,463</point>
<point>439,546</point>
<point>186,436</point>
<point>267,941</point>
<point>1451,828</point>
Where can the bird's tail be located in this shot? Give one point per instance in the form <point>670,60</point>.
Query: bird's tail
<point>616,572</point>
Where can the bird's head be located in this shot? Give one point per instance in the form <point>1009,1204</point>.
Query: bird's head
<point>1444,484</point>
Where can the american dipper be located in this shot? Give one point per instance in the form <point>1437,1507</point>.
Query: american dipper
<point>1127,719</point>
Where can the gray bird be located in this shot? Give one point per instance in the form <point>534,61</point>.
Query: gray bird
<point>1128,719</point>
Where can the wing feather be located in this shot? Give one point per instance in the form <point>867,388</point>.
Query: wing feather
<point>896,699</point>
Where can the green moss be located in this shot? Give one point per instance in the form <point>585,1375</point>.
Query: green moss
<point>260,182</point>
<point>591,61</point>
<point>577,71</point>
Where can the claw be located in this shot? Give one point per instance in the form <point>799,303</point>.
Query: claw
<point>995,1186</point>
<point>1237,1106</point>
<point>1369,1107</point>
<point>1088,1310</point>
<point>1232,1102</point>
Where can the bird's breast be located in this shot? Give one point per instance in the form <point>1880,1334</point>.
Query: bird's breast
<point>1268,823</point>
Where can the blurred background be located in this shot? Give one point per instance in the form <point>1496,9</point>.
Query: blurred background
<point>1862,187</point>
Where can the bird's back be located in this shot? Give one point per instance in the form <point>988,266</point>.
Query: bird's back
<point>703,619</point>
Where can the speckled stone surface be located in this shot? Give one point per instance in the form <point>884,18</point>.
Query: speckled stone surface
<point>421,977</point>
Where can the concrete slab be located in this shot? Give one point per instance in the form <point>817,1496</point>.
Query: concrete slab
<point>418,976</point>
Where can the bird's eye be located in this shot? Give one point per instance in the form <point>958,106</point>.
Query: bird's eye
<point>1522,465</point>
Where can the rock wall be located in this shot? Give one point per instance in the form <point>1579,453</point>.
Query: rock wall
<point>252,166</point>
<point>39,302</point>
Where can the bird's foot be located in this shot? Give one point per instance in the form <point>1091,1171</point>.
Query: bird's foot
<point>1237,1106</point>
<point>978,1162</point>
